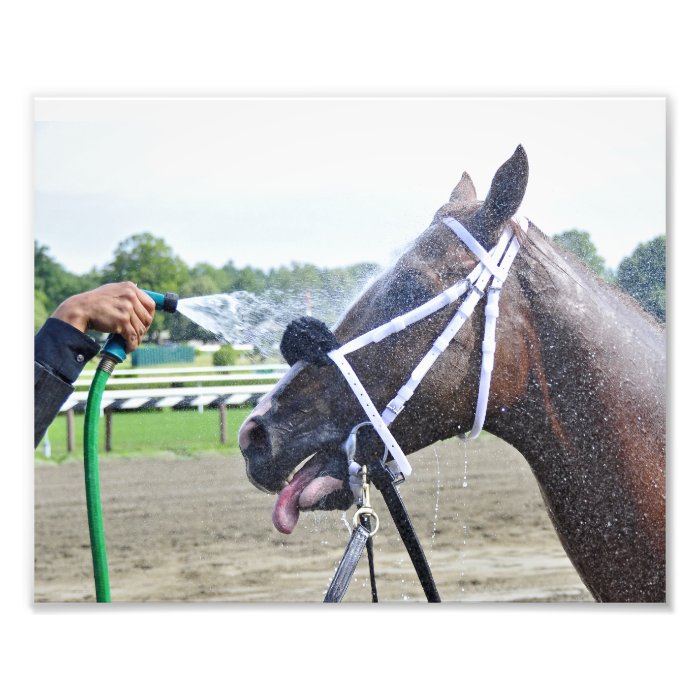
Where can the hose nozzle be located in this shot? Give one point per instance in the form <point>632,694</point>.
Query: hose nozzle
<point>164,302</point>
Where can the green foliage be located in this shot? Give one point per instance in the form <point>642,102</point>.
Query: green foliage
<point>643,276</point>
<point>52,283</point>
<point>225,356</point>
<point>150,263</point>
<point>40,312</point>
<point>581,245</point>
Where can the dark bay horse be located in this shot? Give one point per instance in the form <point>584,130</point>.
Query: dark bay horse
<point>578,388</point>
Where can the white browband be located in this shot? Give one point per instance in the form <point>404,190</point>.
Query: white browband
<point>492,264</point>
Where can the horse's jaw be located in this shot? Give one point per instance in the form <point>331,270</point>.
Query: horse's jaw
<point>320,483</point>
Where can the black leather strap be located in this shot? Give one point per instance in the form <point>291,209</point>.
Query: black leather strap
<point>348,564</point>
<point>383,479</point>
<point>365,520</point>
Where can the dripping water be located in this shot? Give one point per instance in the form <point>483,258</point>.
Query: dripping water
<point>437,495</point>
<point>465,484</point>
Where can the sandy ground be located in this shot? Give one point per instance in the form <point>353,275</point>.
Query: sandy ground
<point>195,529</point>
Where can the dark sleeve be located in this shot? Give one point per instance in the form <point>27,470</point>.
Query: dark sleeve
<point>60,354</point>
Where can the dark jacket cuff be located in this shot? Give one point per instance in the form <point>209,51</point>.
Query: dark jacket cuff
<point>63,349</point>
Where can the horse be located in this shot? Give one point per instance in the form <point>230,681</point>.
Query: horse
<point>578,388</point>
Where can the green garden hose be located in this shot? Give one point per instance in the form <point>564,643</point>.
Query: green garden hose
<point>92,481</point>
<point>113,352</point>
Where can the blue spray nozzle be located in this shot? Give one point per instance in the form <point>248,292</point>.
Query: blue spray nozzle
<point>115,346</point>
<point>164,302</point>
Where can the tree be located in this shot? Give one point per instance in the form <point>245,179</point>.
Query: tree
<point>581,245</point>
<point>40,312</point>
<point>52,282</point>
<point>225,356</point>
<point>250,279</point>
<point>207,279</point>
<point>643,276</point>
<point>151,263</point>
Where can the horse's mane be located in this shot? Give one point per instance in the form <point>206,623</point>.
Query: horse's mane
<point>570,265</point>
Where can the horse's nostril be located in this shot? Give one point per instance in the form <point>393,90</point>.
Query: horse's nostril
<point>253,437</point>
<point>258,436</point>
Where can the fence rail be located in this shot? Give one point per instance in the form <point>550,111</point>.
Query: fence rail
<point>257,369</point>
<point>176,388</point>
<point>190,378</point>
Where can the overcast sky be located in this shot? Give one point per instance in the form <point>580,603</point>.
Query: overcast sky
<point>333,181</point>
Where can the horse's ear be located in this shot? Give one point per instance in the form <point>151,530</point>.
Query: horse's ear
<point>464,191</point>
<point>503,200</point>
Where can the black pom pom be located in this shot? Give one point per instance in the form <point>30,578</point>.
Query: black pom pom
<point>308,339</point>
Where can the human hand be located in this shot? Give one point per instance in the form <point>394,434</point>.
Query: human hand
<point>118,307</point>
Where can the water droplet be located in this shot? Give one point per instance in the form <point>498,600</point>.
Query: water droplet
<point>465,482</point>
<point>437,495</point>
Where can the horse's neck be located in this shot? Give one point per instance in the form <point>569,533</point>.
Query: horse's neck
<point>595,356</point>
<point>591,422</point>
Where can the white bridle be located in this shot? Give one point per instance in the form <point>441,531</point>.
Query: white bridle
<point>492,264</point>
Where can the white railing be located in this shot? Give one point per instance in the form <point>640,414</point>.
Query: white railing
<point>256,369</point>
<point>217,387</point>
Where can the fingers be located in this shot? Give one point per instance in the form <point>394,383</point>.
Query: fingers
<point>141,308</point>
<point>135,331</point>
<point>142,312</point>
<point>145,307</point>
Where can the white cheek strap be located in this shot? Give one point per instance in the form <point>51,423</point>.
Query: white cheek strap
<point>495,263</point>
<point>402,464</point>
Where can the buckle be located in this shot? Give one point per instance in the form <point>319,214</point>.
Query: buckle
<point>391,406</point>
<point>473,288</point>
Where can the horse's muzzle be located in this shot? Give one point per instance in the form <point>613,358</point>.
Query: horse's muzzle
<point>255,443</point>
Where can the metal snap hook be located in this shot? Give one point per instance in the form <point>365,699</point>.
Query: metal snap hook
<point>370,513</point>
<point>350,444</point>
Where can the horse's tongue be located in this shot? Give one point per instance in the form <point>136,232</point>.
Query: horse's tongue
<point>285,514</point>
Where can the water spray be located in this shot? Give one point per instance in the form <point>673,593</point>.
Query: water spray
<point>113,352</point>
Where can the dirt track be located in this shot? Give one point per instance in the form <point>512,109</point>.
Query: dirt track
<point>194,529</point>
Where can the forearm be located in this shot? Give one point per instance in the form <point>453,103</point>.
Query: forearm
<point>60,353</point>
<point>50,393</point>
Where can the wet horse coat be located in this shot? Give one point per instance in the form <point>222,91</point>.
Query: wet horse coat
<point>578,388</point>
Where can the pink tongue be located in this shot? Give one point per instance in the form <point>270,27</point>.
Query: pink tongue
<point>304,490</point>
<point>286,511</point>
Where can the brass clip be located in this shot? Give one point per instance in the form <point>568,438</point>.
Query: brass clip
<point>366,508</point>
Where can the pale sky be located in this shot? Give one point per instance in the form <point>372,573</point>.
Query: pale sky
<point>333,181</point>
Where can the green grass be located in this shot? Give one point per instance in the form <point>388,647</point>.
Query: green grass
<point>141,432</point>
<point>182,432</point>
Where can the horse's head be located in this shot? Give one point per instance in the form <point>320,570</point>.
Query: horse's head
<point>312,410</point>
